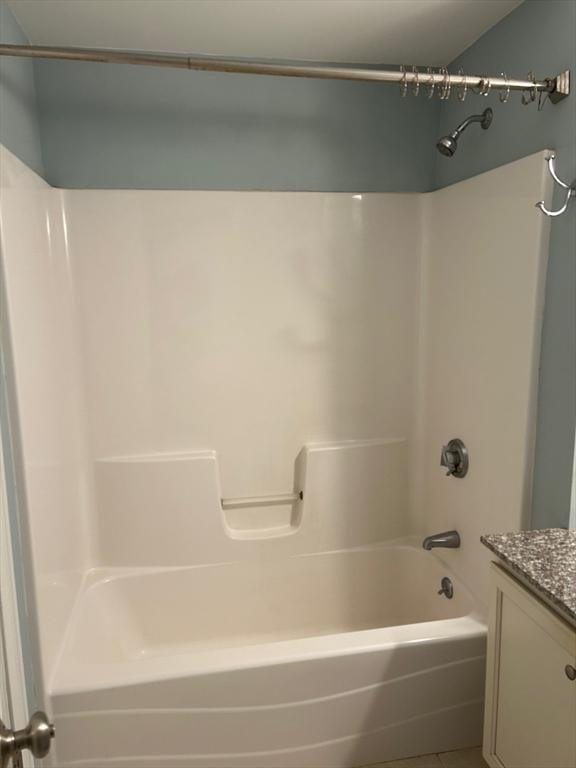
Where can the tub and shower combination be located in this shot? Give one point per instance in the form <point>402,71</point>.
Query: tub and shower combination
<point>326,659</point>
<point>254,389</point>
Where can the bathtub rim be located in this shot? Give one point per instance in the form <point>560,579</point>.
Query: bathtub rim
<point>146,669</point>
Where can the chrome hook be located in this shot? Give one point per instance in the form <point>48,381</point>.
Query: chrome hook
<point>551,160</point>
<point>569,194</point>
<point>570,189</point>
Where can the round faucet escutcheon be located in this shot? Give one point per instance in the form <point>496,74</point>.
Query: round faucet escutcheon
<point>447,588</point>
<point>455,458</point>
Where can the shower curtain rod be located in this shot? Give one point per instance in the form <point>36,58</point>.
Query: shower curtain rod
<point>557,87</point>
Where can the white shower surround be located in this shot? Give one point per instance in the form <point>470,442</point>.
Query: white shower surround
<point>149,386</point>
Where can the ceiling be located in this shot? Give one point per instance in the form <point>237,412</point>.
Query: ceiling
<point>419,32</point>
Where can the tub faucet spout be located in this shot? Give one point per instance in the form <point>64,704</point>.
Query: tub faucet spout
<point>448,539</point>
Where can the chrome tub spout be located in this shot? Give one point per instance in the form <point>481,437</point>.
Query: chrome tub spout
<point>448,539</point>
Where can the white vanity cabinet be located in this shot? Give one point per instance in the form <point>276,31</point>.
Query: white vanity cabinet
<point>530,716</point>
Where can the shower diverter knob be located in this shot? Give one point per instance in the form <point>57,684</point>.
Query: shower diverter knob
<point>455,458</point>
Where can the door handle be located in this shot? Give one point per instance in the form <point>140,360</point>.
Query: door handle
<point>36,737</point>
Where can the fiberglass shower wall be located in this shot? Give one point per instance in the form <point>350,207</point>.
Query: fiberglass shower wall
<point>180,347</point>
<point>261,343</point>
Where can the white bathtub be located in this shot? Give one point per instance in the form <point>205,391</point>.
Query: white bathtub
<point>334,659</point>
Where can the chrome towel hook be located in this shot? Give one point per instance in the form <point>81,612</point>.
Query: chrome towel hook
<point>570,188</point>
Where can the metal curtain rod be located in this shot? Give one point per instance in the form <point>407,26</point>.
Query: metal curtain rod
<point>556,87</point>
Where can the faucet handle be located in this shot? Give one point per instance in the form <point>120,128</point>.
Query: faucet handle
<point>454,457</point>
<point>448,459</point>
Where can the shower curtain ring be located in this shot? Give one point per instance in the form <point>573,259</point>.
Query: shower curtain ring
<point>403,82</point>
<point>416,80</point>
<point>483,86</point>
<point>446,85</point>
<point>506,94</point>
<point>531,91</point>
<point>463,87</point>
<point>431,83</point>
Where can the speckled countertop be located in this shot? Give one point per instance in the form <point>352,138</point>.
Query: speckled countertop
<point>545,559</point>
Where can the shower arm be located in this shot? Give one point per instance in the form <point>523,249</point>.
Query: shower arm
<point>557,88</point>
<point>465,123</point>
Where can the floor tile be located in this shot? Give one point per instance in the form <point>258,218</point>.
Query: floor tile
<point>463,758</point>
<point>425,761</point>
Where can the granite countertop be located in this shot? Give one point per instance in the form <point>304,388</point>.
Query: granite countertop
<point>545,559</point>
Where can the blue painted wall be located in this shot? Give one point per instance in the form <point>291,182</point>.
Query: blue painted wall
<point>18,117</point>
<point>540,35</point>
<point>118,126</point>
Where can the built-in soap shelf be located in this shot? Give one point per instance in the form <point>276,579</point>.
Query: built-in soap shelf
<point>263,516</point>
<point>242,502</point>
<point>169,509</point>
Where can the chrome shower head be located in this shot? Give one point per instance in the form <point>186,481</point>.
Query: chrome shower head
<point>448,145</point>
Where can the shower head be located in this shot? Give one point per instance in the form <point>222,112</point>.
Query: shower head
<point>448,145</point>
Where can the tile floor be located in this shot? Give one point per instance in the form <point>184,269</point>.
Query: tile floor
<point>463,758</point>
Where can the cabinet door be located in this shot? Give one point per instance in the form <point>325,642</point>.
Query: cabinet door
<point>536,725</point>
<point>532,722</point>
